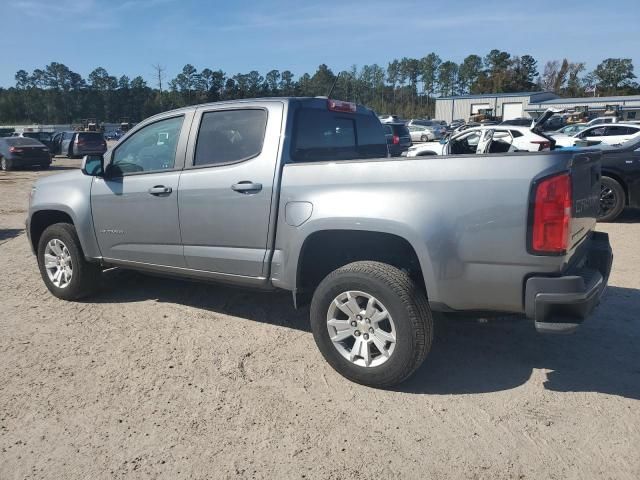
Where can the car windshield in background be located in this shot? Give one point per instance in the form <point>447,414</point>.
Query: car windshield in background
<point>23,142</point>
<point>325,135</point>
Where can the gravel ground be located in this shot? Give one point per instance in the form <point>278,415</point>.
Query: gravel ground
<point>157,378</point>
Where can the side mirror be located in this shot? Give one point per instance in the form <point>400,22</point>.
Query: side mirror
<point>93,165</point>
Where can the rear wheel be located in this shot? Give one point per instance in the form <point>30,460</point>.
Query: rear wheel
<point>424,138</point>
<point>371,323</point>
<point>612,200</point>
<point>62,265</point>
<point>5,164</point>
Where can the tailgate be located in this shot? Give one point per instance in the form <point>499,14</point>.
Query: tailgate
<point>585,185</point>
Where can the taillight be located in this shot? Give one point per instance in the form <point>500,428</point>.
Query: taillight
<point>543,144</point>
<point>552,215</point>
<point>396,139</point>
<point>15,150</point>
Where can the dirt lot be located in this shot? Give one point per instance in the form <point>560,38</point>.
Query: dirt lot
<point>158,378</point>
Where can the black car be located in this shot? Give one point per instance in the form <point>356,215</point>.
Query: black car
<point>42,137</point>
<point>16,152</point>
<point>620,179</point>
<point>398,138</point>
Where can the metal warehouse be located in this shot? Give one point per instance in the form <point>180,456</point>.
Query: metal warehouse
<point>628,107</point>
<point>505,105</point>
<point>532,104</point>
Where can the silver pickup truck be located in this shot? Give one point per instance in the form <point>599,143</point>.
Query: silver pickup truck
<point>300,194</point>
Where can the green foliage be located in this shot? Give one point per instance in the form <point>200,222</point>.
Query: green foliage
<point>406,87</point>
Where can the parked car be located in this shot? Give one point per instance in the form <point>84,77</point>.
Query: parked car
<point>620,179</point>
<point>613,134</point>
<point>77,144</point>
<point>42,137</point>
<point>570,130</point>
<point>520,121</point>
<point>20,152</point>
<point>455,124</point>
<point>602,120</point>
<point>436,126</point>
<point>554,123</point>
<point>398,138</point>
<point>486,139</point>
<point>420,133</point>
<point>389,118</point>
<point>377,244</point>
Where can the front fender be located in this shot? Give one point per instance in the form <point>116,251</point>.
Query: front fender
<point>69,193</point>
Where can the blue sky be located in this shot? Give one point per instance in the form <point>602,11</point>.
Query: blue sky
<point>128,36</point>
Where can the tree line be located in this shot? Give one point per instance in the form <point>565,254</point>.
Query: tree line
<point>407,86</point>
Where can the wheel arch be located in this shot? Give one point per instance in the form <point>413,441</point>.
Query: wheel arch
<point>41,220</point>
<point>325,250</point>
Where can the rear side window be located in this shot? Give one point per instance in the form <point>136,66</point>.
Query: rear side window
<point>515,133</point>
<point>227,136</point>
<point>321,135</point>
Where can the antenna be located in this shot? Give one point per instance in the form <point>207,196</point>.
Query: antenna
<point>334,85</point>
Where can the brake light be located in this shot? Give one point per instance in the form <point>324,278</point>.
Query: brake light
<point>552,215</point>
<point>15,150</point>
<point>543,144</point>
<point>340,106</point>
<point>396,139</point>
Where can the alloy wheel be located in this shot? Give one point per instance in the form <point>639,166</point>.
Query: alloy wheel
<point>361,329</point>
<point>58,264</point>
<point>608,199</point>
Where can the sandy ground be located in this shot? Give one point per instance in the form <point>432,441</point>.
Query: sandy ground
<point>158,378</point>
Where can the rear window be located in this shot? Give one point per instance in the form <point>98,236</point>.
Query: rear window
<point>23,142</point>
<point>90,136</point>
<point>321,135</point>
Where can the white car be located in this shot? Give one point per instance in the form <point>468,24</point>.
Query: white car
<point>611,134</point>
<point>601,120</point>
<point>486,139</point>
<point>420,133</point>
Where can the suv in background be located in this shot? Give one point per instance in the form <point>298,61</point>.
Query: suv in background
<point>78,144</point>
<point>437,127</point>
<point>398,138</point>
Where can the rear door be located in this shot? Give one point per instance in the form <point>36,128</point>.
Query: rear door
<point>227,187</point>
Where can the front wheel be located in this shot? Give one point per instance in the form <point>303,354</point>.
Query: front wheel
<point>62,265</point>
<point>612,200</point>
<point>424,138</point>
<point>5,165</point>
<point>371,323</point>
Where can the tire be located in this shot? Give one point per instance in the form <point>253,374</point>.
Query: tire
<point>424,138</point>
<point>409,315</point>
<point>5,164</point>
<point>84,277</point>
<point>612,200</point>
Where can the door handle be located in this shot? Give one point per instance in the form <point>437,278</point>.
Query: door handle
<point>160,190</point>
<point>246,187</point>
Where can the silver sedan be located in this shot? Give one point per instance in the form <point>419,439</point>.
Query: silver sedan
<point>420,133</point>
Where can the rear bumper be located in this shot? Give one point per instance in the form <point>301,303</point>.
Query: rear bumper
<point>560,304</point>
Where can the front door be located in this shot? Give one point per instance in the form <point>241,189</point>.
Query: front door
<point>226,188</point>
<point>135,206</point>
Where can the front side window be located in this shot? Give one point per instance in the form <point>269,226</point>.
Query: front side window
<point>595,132</point>
<point>227,136</point>
<point>150,149</point>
